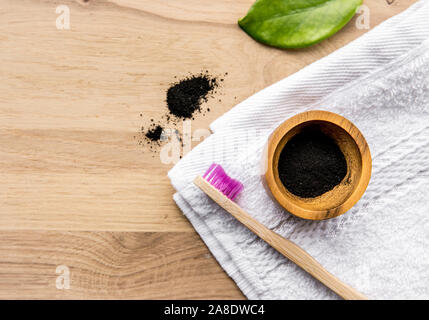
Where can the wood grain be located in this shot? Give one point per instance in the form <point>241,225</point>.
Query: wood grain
<point>70,105</point>
<point>110,265</point>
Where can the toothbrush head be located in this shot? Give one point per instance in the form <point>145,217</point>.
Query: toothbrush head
<point>218,178</point>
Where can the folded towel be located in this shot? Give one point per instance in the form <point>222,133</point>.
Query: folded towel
<point>380,82</point>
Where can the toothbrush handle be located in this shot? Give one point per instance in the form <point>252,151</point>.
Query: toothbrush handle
<point>286,247</point>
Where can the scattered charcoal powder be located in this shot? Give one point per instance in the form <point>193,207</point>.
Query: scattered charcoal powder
<point>311,164</point>
<point>154,134</point>
<point>186,96</point>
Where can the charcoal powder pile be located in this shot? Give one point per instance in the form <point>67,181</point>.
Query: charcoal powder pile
<point>154,134</point>
<point>186,96</point>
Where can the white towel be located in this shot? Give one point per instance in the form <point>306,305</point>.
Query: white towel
<point>380,247</point>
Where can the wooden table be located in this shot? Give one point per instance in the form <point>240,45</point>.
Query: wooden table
<point>77,189</point>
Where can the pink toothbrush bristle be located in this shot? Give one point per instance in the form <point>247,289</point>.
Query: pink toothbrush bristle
<point>218,178</point>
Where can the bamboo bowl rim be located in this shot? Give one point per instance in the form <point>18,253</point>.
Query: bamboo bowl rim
<point>342,198</point>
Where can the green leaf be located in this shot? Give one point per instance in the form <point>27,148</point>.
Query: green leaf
<point>297,23</point>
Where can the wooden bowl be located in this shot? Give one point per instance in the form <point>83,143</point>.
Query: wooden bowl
<point>356,152</point>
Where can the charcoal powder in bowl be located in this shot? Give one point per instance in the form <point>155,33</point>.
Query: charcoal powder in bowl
<point>311,164</point>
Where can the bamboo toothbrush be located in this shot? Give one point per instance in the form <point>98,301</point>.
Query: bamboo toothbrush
<point>222,189</point>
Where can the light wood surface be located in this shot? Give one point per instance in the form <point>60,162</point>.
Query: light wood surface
<point>110,265</point>
<point>286,247</point>
<point>74,179</point>
<point>356,153</point>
